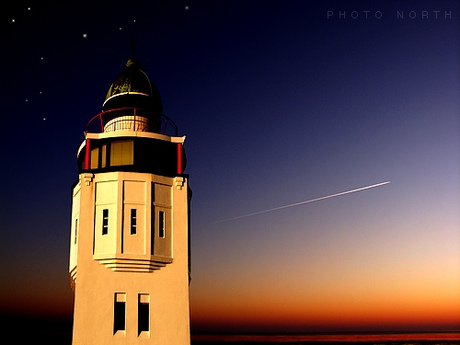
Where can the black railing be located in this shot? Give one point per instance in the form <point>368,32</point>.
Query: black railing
<point>131,119</point>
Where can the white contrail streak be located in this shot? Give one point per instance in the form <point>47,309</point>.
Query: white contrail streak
<point>306,201</point>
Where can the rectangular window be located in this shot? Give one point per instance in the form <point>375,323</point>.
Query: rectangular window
<point>94,158</point>
<point>161,224</point>
<point>104,156</point>
<point>152,230</point>
<point>105,222</point>
<point>76,232</point>
<point>122,153</point>
<point>119,313</point>
<point>133,221</point>
<point>143,313</point>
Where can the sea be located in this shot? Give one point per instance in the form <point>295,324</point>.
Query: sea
<point>443,338</point>
<point>35,330</point>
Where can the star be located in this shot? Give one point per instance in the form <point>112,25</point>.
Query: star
<point>85,35</point>
<point>13,20</point>
<point>187,7</point>
<point>28,8</point>
<point>120,29</point>
<point>44,119</point>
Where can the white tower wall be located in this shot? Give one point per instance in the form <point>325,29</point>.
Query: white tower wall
<point>144,268</point>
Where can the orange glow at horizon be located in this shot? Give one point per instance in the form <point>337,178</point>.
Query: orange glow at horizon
<point>400,276</point>
<point>355,303</point>
<point>333,313</point>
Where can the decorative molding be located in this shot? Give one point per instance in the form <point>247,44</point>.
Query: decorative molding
<point>179,181</point>
<point>133,264</point>
<point>88,178</point>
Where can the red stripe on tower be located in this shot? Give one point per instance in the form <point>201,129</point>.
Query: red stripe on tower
<point>179,159</point>
<point>87,154</point>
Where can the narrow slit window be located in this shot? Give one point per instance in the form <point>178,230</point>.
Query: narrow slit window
<point>143,313</point>
<point>119,313</point>
<point>152,231</point>
<point>133,221</point>
<point>105,222</point>
<point>161,224</point>
<point>76,232</point>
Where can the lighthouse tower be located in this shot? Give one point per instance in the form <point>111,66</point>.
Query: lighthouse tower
<point>129,244</point>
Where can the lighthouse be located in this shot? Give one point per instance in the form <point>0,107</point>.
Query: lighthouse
<point>129,243</point>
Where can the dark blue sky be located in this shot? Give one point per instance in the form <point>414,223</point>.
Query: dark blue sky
<point>279,104</point>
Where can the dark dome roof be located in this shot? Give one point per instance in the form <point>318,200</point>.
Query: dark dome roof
<point>133,88</point>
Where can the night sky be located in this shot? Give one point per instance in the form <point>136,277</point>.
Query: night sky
<point>281,102</point>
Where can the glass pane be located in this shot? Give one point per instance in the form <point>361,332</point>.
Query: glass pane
<point>121,153</point>
<point>94,158</point>
<point>143,313</point>
<point>105,222</point>
<point>133,221</point>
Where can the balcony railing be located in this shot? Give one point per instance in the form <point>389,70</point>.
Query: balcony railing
<point>131,119</point>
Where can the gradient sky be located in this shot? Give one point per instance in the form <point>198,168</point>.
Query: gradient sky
<point>279,104</point>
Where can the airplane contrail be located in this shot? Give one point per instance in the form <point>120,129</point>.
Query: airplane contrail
<point>306,201</point>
